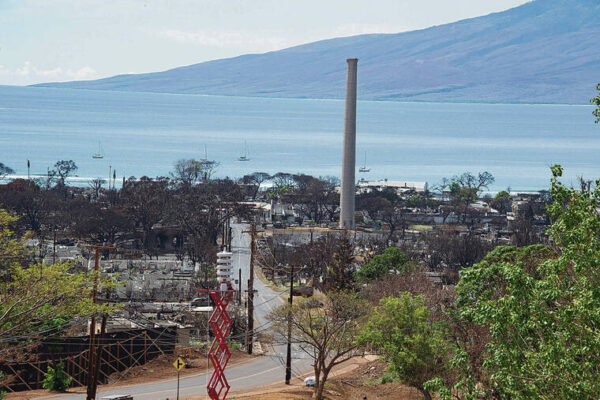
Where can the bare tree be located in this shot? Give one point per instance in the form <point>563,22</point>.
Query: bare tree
<point>63,169</point>
<point>190,172</point>
<point>201,212</point>
<point>256,179</point>
<point>5,170</point>
<point>282,180</point>
<point>144,201</point>
<point>96,185</point>
<point>327,334</point>
<point>386,206</point>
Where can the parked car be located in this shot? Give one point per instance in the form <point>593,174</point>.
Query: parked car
<point>118,397</point>
<point>304,291</point>
<point>310,381</point>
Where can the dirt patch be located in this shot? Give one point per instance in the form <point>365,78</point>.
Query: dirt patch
<point>162,366</point>
<point>362,384</point>
<point>358,384</point>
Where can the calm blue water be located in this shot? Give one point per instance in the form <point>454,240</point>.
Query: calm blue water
<point>145,134</point>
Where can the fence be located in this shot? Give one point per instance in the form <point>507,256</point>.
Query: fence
<point>121,351</point>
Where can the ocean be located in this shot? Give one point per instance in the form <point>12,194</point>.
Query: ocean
<point>146,133</point>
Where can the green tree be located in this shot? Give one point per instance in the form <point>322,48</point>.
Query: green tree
<point>541,306</point>
<point>12,249</point>
<point>596,101</point>
<point>501,201</point>
<point>327,333</point>
<point>401,330</point>
<point>2,392</point>
<point>466,187</point>
<point>56,378</point>
<point>32,296</point>
<point>392,260</point>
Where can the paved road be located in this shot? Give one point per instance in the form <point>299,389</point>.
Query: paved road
<point>264,370</point>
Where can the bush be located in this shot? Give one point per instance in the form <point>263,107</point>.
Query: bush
<point>388,377</point>
<point>392,260</point>
<point>2,392</point>
<point>56,378</point>
<point>416,348</point>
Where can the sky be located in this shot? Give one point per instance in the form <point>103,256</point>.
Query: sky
<point>63,40</point>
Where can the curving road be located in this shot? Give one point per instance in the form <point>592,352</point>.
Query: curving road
<point>263,371</point>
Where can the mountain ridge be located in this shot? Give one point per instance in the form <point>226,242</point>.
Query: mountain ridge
<point>543,51</point>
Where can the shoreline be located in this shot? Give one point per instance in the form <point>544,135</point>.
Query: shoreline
<point>81,181</point>
<point>57,86</point>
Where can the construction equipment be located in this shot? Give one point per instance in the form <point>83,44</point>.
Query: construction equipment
<point>220,322</point>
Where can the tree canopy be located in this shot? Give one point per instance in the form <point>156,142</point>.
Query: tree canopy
<point>392,260</point>
<point>596,102</point>
<point>466,187</point>
<point>400,329</point>
<point>5,170</point>
<point>541,306</point>
<point>325,332</point>
<point>33,295</point>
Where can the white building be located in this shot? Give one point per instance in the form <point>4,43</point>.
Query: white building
<point>365,186</point>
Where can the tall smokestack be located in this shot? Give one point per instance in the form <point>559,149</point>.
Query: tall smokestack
<point>349,158</point>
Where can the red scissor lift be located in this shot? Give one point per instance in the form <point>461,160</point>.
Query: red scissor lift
<point>220,322</point>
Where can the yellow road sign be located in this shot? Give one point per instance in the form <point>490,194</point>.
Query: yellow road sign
<point>178,364</point>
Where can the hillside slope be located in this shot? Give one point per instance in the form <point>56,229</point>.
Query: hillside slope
<point>545,51</point>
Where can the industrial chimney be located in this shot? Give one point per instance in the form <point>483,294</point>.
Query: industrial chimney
<point>349,158</point>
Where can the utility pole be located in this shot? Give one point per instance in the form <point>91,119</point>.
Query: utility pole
<point>229,237</point>
<point>250,333</point>
<point>28,167</point>
<point>54,244</point>
<point>250,329</point>
<point>93,365</point>
<point>100,346</point>
<point>239,295</point>
<point>288,362</point>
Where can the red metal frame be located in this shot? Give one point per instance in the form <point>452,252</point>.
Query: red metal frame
<point>219,353</point>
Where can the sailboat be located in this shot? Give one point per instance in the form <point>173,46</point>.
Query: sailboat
<point>245,156</point>
<point>364,167</point>
<point>100,153</point>
<point>205,159</point>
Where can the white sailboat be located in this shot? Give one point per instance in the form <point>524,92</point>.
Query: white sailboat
<point>364,167</point>
<point>205,159</point>
<point>244,157</point>
<point>100,153</point>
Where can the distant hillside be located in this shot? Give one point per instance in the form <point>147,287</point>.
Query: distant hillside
<point>545,51</point>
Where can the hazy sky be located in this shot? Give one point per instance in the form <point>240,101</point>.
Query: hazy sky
<point>52,40</point>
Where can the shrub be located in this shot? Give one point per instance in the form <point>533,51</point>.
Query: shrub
<point>392,260</point>
<point>56,378</point>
